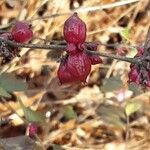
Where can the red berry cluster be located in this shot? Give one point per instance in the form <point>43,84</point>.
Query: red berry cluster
<point>138,73</point>
<point>77,64</point>
<point>21,32</point>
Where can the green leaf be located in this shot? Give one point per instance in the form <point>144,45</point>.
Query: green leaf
<point>31,115</point>
<point>11,84</point>
<point>112,114</point>
<point>125,33</point>
<point>111,84</point>
<point>4,93</point>
<point>136,89</point>
<point>69,113</point>
<point>132,107</point>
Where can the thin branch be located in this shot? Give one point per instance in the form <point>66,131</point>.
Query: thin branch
<point>39,46</point>
<point>63,47</point>
<point>122,58</point>
<point>88,9</point>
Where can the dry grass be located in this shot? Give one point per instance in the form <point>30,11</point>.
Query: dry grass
<point>45,94</point>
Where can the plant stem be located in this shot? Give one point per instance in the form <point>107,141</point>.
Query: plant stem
<point>63,47</point>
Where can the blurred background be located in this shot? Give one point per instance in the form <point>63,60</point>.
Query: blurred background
<point>105,113</point>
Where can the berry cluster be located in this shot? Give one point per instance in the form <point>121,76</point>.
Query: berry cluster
<point>76,66</point>
<point>21,32</point>
<point>138,73</point>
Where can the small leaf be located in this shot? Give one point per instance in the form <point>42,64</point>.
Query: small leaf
<point>69,113</point>
<point>31,115</point>
<point>111,84</point>
<point>11,84</point>
<point>125,33</point>
<point>112,114</point>
<point>132,107</point>
<point>135,88</point>
<point>4,93</point>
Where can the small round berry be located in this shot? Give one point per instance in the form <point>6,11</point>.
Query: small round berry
<point>21,32</point>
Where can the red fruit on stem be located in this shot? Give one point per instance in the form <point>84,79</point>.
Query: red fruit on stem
<point>64,74</point>
<point>74,30</point>
<point>71,48</point>
<point>75,68</point>
<point>21,32</point>
<point>79,66</point>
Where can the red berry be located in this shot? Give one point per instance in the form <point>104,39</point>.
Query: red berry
<point>21,32</point>
<point>79,66</point>
<point>74,30</point>
<point>64,74</point>
<point>75,68</point>
<point>71,48</point>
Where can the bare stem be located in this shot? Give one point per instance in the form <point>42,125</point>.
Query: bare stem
<point>63,47</point>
